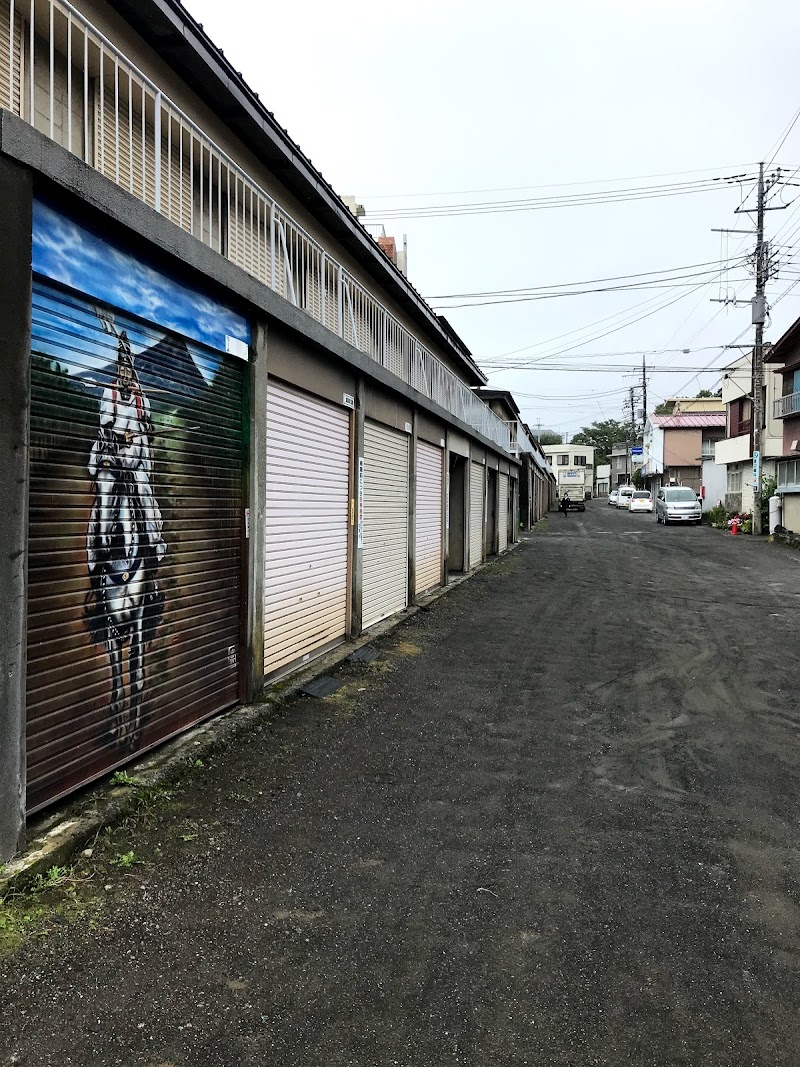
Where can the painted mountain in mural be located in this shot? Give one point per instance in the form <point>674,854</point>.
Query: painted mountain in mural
<point>165,367</point>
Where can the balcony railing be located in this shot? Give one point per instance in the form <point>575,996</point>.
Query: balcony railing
<point>62,75</point>
<point>519,441</point>
<point>786,405</point>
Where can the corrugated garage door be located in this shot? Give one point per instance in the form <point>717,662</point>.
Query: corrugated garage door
<point>502,517</point>
<point>476,482</point>
<point>307,526</point>
<point>136,529</point>
<point>428,518</point>
<point>385,559</point>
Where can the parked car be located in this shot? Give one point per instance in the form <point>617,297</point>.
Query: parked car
<point>613,496</point>
<point>624,494</point>
<point>641,500</point>
<point>678,503</point>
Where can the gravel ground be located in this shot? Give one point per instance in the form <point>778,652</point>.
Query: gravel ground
<point>556,823</point>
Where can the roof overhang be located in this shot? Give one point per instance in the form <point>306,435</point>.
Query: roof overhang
<point>183,44</point>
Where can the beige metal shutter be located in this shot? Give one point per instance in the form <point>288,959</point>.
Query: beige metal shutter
<point>185,601</point>
<point>10,85</point>
<point>502,515</point>
<point>385,559</point>
<point>307,526</point>
<point>428,519</point>
<point>476,482</point>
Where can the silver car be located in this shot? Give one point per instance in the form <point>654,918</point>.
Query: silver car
<point>678,503</point>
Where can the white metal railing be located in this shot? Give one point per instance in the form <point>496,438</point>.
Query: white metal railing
<point>61,74</point>
<point>519,440</point>
<point>786,405</point>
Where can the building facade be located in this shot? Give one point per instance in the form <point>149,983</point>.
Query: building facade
<point>679,449</point>
<point>564,457</point>
<point>735,450</point>
<point>232,434</point>
<point>784,360</point>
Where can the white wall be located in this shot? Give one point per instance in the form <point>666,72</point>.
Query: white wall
<point>715,481</point>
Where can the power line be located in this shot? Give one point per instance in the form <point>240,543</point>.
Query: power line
<point>710,264</point>
<point>495,207</point>
<point>782,140</point>
<point>558,185</point>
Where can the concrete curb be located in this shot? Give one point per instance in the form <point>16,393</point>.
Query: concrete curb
<point>58,834</point>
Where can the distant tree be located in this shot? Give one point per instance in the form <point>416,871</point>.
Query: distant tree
<point>703,394</point>
<point>602,436</point>
<point>638,478</point>
<point>665,408</point>
<point>550,437</point>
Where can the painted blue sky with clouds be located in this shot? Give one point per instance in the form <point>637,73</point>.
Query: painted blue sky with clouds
<point>71,254</point>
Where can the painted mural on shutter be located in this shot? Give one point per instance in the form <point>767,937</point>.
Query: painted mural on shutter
<point>307,526</point>
<point>385,558</point>
<point>502,514</point>
<point>476,490</point>
<point>428,517</point>
<point>136,510</point>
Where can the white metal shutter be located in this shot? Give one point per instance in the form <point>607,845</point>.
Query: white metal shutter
<point>428,524</point>
<point>476,481</point>
<point>502,517</point>
<point>307,526</point>
<point>385,559</point>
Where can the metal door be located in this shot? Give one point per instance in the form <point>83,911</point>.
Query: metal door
<point>135,540</point>
<point>428,517</point>
<point>385,557</point>
<point>476,490</point>
<point>307,526</point>
<point>502,516</point>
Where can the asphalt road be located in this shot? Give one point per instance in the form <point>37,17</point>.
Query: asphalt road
<point>557,822</point>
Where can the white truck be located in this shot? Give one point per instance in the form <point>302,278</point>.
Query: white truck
<point>572,483</point>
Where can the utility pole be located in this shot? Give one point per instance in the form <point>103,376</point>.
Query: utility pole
<point>759,315</point>
<point>629,464</point>
<point>644,393</point>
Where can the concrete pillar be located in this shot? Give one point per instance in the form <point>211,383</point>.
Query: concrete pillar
<point>412,510</point>
<point>16,221</point>
<point>357,550</point>
<point>257,485</point>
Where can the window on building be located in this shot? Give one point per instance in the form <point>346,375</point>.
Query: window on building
<point>562,460</point>
<point>734,479</point>
<point>579,461</point>
<point>789,474</point>
<point>741,413</point>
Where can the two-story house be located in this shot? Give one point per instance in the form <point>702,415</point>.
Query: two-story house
<point>624,461</point>
<point>735,450</point>
<point>784,359</point>
<point>679,450</point>
<point>563,457</point>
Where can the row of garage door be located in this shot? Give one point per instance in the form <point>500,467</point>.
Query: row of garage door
<point>307,530</point>
<point>137,529</point>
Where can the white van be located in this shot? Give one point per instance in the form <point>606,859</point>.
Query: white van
<point>624,495</point>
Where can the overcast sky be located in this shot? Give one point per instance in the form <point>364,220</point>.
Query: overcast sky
<point>408,104</point>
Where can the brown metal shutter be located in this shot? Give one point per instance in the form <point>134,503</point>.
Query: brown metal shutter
<point>428,524</point>
<point>189,602</point>
<point>307,526</point>
<point>385,559</point>
<point>476,484</point>
<point>502,515</point>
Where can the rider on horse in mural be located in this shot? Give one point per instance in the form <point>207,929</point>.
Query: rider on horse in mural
<point>125,433</point>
